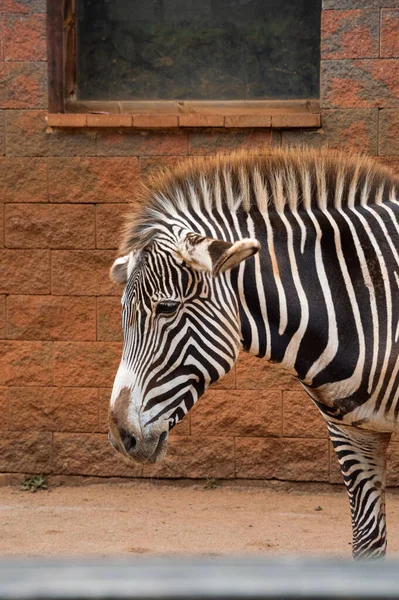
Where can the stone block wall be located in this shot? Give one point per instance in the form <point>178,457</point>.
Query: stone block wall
<point>63,194</point>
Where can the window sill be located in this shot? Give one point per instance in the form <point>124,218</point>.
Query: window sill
<point>165,121</point>
<point>184,114</point>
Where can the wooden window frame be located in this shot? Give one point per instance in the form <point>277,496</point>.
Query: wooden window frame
<point>66,111</point>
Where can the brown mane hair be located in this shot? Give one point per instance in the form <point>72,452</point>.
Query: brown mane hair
<point>279,179</point>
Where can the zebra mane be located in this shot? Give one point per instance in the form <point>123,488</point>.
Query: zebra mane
<point>291,179</point>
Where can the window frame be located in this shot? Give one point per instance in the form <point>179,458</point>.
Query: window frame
<point>64,108</point>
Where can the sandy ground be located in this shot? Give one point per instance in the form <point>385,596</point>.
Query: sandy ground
<point>144,518</point>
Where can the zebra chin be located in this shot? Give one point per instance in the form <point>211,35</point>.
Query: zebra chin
<point>132,435</point>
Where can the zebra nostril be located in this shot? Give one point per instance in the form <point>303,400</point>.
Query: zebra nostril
<point>129,441</point>
<point>163,436</point>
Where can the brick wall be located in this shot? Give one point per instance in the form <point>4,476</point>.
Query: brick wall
<point>63,194</point>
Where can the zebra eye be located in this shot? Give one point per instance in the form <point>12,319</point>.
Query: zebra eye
<point>166,307</point>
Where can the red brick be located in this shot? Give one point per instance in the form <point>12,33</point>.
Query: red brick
<point>392,162</point>
<point>51,318</point>
<point>93,179</point>
<point>196,458</point>
<point>25,363</point>
<point>301,418</point>
<point>234,412</point>
<point>109,222</point>
<point>293,459</point>
<point>50,226</point>
<point>248,121</point>
<point>26,452</point>
<point>82,273</point>
<point>2,19</point>
<point>23,180</point>
<point>182,428</point>
<point>349,34</point>
<point>360,83</point>
<point>109,120</point>
<point>53,409</point>
<point>151,121</point>
<point>389,33</point>
<point>24,271</point>
<point>109,325</point>
<point>90,455</point>
<point>27,134</point>
<point>347,4</point>
<point>276,137</point>
<point>23,85</point>
<point>197,120</point>
<point>2,132</point>
<point>25,37</point>
<point>23,6</point>
<point>152,165</point>
<point>254,374</point>
<point>143,143</point>
<point>389,131</point>
<point>2,317</point>
<point>71,142</point>
<point>206,142</point>
<point>4,408</point>
<point>104,395</point>
<point>2,221</point>
<point>346,129</point>
<point>393,464</point>
<point>228,382</point>
<point>86,364</point>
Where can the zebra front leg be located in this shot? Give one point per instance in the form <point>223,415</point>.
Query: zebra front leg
<point>362,458</point>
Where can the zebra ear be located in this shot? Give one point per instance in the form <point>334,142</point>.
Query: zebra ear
<point>216,256</point>
<point>118,272</point>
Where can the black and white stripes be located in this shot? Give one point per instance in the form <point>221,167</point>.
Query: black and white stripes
<point>319,295</point>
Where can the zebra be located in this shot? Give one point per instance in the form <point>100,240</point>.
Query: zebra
<point>290,255</point>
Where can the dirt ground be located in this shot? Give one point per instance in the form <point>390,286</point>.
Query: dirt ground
<point>144,518</point>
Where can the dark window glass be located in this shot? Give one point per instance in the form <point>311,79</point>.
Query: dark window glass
<point>198,49</point>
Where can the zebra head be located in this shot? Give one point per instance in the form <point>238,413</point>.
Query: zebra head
<point>181,329</point>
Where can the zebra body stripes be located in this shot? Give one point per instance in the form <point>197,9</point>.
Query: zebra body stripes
<point>291,256</point>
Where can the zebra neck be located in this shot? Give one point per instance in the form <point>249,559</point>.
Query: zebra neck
<point>266,325</point>
<point>273,302</point>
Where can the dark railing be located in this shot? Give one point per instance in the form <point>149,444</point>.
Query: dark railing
<point>195,579</point>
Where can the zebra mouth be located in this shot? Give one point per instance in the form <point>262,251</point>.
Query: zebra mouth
<point>161,449</point>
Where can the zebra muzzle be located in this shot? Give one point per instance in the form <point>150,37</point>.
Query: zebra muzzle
<point>137,448</point>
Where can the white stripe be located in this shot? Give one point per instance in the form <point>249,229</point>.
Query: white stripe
<point>293,346</point>
<point>388,298</point>
<point>350,385</point>
<point>373,302</point>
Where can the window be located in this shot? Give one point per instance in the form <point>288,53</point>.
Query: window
<point>177,55</point>
<point>198,49</point>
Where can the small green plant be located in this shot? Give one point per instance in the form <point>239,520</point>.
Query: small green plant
<point>32,484</point>
<point>211,484</point>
